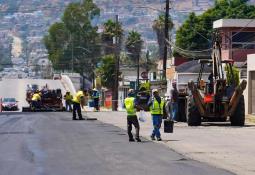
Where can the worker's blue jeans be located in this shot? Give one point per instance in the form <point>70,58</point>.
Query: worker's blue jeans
<point>174,111</point>
<point>69,106</point>
<point>156,121</point>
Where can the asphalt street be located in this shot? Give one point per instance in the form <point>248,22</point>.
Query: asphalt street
<point>53,144</point>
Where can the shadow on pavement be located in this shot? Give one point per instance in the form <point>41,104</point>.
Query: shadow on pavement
<point>225,125</point>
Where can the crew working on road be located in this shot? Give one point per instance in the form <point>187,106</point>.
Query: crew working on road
<point>36,99</point>
<point>68,100</point>
<point>157,105</point>
<point>78,102</point>
<point>130,105</point>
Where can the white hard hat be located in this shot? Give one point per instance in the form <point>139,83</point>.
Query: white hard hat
<point>154,90</point>
<point>130,90</point>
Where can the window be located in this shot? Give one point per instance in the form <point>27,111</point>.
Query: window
<point>243,40</point>
<point>243,73</point>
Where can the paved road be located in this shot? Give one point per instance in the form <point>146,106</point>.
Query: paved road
<point>17,88</point>
<point>52,144</point>
<point>218,144</point>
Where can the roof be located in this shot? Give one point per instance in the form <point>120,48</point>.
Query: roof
<point>192,67</point>
<point>239,23</point>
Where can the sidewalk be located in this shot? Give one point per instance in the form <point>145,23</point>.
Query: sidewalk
<point>230,148</point>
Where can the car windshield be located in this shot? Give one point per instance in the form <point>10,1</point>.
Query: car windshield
<point>9,100</point>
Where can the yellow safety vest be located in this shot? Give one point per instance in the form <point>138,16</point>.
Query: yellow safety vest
<point>130,106</point>
<point>68,97</point>
<point>157,108</point>
<point>36,97</point>
<point>78,96</point>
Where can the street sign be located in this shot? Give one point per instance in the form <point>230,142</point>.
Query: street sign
<point>144,75</point>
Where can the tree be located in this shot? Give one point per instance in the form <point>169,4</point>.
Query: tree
<point>75,37</point>
<point>235,80</point>
<point>111,30</point>
<point>159,27</point>
<point>57,42</point>
<point>134,45</point>
<point>196,31</point>
<point>107,71</point>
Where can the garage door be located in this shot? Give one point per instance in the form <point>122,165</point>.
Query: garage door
<point>253,92</point>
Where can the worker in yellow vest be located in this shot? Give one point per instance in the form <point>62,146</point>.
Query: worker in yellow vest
<point>36,99</point>
<point>130,105</point>
<point>78,102</point>
<point>157,105</point>
<point>68,99</point>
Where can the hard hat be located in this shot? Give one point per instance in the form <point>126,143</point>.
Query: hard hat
<point>154,90</point>
<point>94,89</point>
<point>130,91</point>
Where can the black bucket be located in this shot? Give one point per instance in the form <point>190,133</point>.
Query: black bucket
<point>168,126</point>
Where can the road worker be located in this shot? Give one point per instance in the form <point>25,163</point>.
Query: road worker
<point>156,105</point>
<point>68,101</point>
<point>130,105</point>
<point>36,99</point>
<point>95,97</point>
<point>174,97</point>
<point>78,102</point>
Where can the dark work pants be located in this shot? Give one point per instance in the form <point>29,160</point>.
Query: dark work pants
<point>77,107</point>
<point>132,120</point>
<point>96,103</point>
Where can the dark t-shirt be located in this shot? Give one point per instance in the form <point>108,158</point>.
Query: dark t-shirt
<point>174,95</point>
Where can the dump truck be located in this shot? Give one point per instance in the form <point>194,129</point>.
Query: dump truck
<point>51,100</point>
<point>220,98</point>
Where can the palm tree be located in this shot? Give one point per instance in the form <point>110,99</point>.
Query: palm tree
<point>159,27</point>
<point>134,45</point>
<point>111,30</point>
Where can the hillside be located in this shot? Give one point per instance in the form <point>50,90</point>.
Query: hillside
<point>30,19</point>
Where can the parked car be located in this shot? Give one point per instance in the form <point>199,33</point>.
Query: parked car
<point>9,104</point>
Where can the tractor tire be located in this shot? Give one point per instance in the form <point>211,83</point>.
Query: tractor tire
<point>238,117</point>
<point>193,115</point>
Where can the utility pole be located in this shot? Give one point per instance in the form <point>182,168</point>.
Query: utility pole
<point>147,61</point>
<point>138,71</point>
<point>166,38</point>
<point>116,85</point>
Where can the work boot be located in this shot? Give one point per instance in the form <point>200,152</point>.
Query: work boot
<point>74,118</point>
<point>81,119</point>
<point>138,139</point>
<point>159,139</point>
<point>152,137</point>
<point>131,140</point>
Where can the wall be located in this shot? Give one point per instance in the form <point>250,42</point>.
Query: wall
<point>239,55</point>
<point>250,68</point>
